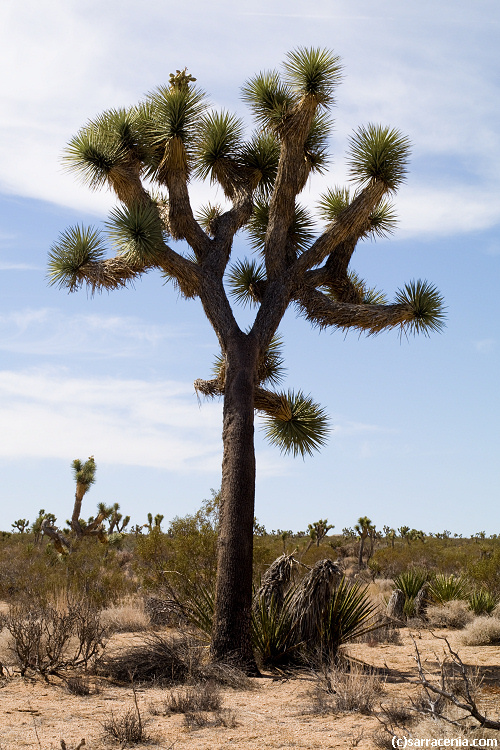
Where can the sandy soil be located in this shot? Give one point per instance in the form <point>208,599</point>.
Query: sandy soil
<point>275,713</point>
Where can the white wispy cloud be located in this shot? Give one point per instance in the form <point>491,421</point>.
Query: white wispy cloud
<point>155,424</point>
<point>68,63</point>
<point>6,266</point>
<point>133,422</point>
<point>50,332</point>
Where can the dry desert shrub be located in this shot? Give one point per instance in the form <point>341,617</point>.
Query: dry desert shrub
<point>454,614</point>
<point>48,638</point>
<point>81,686</point>
<point>338,691</point>
<point>164,659</point>
<point>127,617</point>
<point>203,696</point>
<point>169,660</point>
<point>385,634</point>
<point>224,717</point>
<point>482,631</point>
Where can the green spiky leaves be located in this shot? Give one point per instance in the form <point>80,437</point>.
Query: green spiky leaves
<point>369,295</point>
<point>300,234</point>
<point>379,153</point>
<point>261,156</point>
<point>137,232</point>
<point>382,220</point>
<point>426,305</point>
<point>207,217</point>
<point>218,142</point>
<point>76,247</point>
<point>110,143</point>
<point>313,72</point>
<point>269,99</point>
<point>271,367</point>
<point>84,473</point>
<point>171,118</point>
<point>299,427</point>
<point>245,278</point>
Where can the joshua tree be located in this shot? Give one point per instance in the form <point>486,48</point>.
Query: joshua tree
<point>404,533</point>
<point>173,136</point>
<point>21,525</point>
<point>363,528</point>
<point>319,529</point>
<point>116,520</point>
<point>85,477</point>
<point>154,523</point>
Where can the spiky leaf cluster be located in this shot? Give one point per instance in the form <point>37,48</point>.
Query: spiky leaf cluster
<point>137,232</point>
<point>300,234</point>
<point>369,295</point>
<point>271,367</point>
<point>170,118</point>
<point>378,153</point>
<point>261,155</point>
<point>218,140</point>
<point>207,217</point>
<point>316,144</point>
<point>270,100</point>
<point>84,473</point>
<point>426,304</point>
<point>112,142</point>
<point>243,279</point>
<point>75,247</point>
<point>313,72</point>
<point>301,427</point>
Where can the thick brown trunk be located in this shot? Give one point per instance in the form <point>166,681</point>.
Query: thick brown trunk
<point>231,638</point>
<point>77,509</point>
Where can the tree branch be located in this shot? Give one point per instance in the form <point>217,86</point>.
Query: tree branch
<point>117,272</point>
<point>324,312</point>
<point>349,226</point>
<point>182,224</point>
<point>469,706</point>
<point>291,178</point>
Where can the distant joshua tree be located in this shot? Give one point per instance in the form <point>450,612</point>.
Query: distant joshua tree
<point>319,529</point>
<point>363,528</point>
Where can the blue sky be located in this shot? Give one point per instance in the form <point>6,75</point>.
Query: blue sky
<point>415,422</point>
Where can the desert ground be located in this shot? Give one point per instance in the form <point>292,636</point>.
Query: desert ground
<point>275,711</point>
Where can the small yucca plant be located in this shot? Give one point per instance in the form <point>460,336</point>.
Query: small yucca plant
<point>410,582</point>
<point>445,588</point>
<point>274,636</point>
<point>350,614</point>
<point>482,602</point>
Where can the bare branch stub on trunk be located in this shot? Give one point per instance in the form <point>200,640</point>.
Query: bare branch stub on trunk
<point>165,141</point>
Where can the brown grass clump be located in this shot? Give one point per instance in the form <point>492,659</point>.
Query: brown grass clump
<point>482,631</point>
<point>204,696</point>
<point>127,617</point>
<point>455,614</point>
<point>338,691</point>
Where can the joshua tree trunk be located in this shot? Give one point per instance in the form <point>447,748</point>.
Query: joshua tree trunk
<point>232,624</point>
<point>361,550</point>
